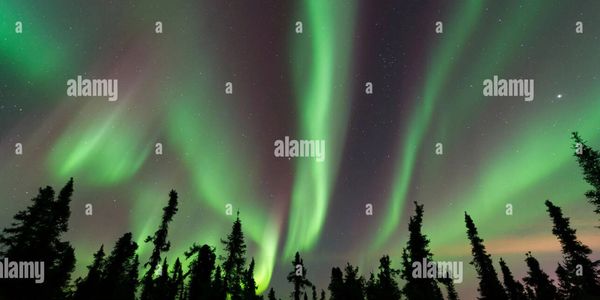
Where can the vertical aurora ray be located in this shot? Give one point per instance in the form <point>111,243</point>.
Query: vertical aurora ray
<point>222,175</point>
<point>321,62</point>
<point>503,45</point>
<point>203,129</point>
<point>465,19</point>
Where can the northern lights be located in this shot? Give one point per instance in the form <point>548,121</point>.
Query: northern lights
<point>218,147</point>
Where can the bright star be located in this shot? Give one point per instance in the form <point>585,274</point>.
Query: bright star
<point>559,96</point>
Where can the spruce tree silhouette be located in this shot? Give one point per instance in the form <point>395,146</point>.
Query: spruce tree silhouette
<point>384,287</point>
<point>371,288</point>
<point>314,292</point>
<point>450,289</point>
<point>201,270</point>
<point>539,281</point>
<point>271,295</point>
<point>354,285</point>
<point>218,286</point>
<point>234,262</point>
<point>298,278</point>
<point>514,289</point>
<point>589,161</point>
<point>249,284</point>
<point>417,249</point>
<point>120,274</point>
<point>160,289</point>
<point>35,236</point>
<point>577,273</point>
<point>336,285</point>
<point>159,240</point>
<point>489,285</point>
<point>90,287</point>
<point>322,295</point>
<point>177,281</point>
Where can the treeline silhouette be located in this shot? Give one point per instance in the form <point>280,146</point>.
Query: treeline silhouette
<point>36,235</point>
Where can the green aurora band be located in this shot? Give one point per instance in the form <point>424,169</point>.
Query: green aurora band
<point>321,63</point>
<point>465,19</point>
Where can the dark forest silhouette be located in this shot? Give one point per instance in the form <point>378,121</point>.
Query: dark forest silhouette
<point>36,235</point>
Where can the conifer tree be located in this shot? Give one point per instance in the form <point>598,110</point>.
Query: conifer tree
<point>35,235</point>
<point>450,289</point>
<point>177,281</point>
<point>538,280</point>
<point>249,291</point>
<point>235,260</point>
<point>90,287</point>
<point>336,285</point>
<point>386,284</point>
<point>201,271</point>
<point>514,289</point>
<point>354,285</point>
<point>322,295</point>
<point>298,277</point>
<point>218,286</point>
<point>417,250</point>
<point>589,161</point>
<point>120,275</point>
<point>161,288</point>
<point>578,275</point>
<point>271,295</point>
<point>161,244</point>
<point>489,285</point>
<point>314,292</point>
<point>371,288</point>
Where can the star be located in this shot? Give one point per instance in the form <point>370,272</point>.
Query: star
<point>559,96</point>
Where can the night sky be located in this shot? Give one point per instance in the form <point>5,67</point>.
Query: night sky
<point>218,148</point>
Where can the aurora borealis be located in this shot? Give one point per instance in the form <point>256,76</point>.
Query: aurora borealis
<point>218,147</point>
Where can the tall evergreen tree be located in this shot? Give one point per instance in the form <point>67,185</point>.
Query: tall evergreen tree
<point>218,286</point>
<point>384,287</point>
<point>298,277</point>
<point>271,295</point>
<point>589,161</point>
<point>539,281</point>
<point>177,281</point>
<point>386,284</point>
<point>514,289</point>
<point>489,285</point>
<point>322,295</point>
<point>35,235</point>
<point>161,288</point>
<point>371,289</point>
<point>336,285</point>
<point>234,262</point>
<point>354,285</point>
<point>417,249</point>
<point>201,272</point>
<point>161,244</point>
<point>450,289</point>
<point>314,292</point>
<point>120,275</point>
<point>577,273</point>
<point>90,287</point>
<point>249,291</point>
